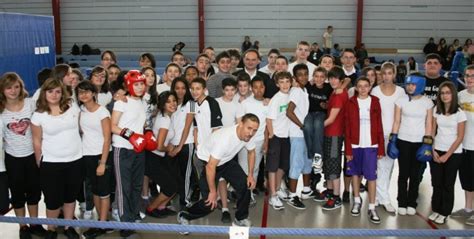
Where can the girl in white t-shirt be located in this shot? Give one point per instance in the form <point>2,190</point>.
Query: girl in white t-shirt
<point>99,79</point>
<point>466,177</point>
<point>23,173</point>
<point>58,150</point>
<point>160,167</point>
<point>388,93</point>
<point>64,74</point>
<point>411,127</point>
<point>172,71</point>
<point>183,140</point>
<point>151,100</point>
<point>96,138</point>
<point>448,131</point>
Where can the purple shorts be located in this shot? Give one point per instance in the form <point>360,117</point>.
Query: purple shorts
<point>364,162</point>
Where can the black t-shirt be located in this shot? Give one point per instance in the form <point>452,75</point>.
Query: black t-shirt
<point>317,96</point>
<point>314,56</point>
<point>432,87</point>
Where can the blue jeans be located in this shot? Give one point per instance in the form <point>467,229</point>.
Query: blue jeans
<point>314,133</point>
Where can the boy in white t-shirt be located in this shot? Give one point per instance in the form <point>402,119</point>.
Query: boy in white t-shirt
<point>466,175</point>
<point>277,146</point>
<point>297,110</point>
<point>172,71</point>
<point>230,111</point>
<point>255,105</point>
<point>302,53</point>
<point>243,87</point>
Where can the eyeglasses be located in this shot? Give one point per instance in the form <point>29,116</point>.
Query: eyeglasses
<point>469,76</point>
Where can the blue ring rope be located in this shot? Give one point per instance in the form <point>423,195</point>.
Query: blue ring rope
<point>253,231</point>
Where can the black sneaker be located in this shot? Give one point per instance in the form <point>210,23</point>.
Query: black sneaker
<point>321,197</point>
<point>155,213</point>
<point>71,233</point>
<point>38,230</point>
<point>332,203</point>
<point>93,233</point>
<point>309,194</point>
<point>373,216</point>
<point>346,197</point>
<point>225,217</point>
<point>25,232</point>
<point>363,188</point>
<point>51,235</point>
<point>126,233</point>
<point>168,211</point>
<point>296,203</point>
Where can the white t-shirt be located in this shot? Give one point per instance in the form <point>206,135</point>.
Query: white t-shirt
<point>163,122</point>
<point>150,110</point>
<point>466,101</point>
<point>104,98</point>
<point>258,108</point>
<point>277,113</point>
<point>266,70</point>
<point>300,98</point>
<point>91,127</point>
<point>162,88</point>
<point>178,120</point>
<point>387,104</point>
<point>413,118</point>
<point>61,141</point>
<point>365,138</point>
<point>17,131</point>
<point>237,97</point>
<point>447,130</point>
<point>327,40</point>
<point>36,94</point>
<point>133,117</point>
<point>230,111</point>
<point>223,145</point>
<point>311,68</point>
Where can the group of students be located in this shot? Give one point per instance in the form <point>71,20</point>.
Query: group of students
<point>112,138</point>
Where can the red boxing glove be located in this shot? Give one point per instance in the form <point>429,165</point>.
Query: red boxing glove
<point>137,140</point>
<point>150,140</point>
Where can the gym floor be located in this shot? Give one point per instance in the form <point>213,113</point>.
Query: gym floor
<point>313,217</point>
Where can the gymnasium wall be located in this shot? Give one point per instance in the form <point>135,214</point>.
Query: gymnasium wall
<point>130,26</point>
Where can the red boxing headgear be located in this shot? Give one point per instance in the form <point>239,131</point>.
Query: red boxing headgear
<point>130,78</point>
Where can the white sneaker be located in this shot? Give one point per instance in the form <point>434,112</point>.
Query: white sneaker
<point>82,206</point>
<point>402,211</point>
<point>183,221</point>
<point>87,215</point>
<point>470,221</point>
<point>433,216</point>
<point>411,211</point>
<point>440,220</point>
<point>389,208</point>
<point>283,195</point>
<point>241,223</point>
<point>115,215</point>
<point>276,203</point>
<point>317,164</point>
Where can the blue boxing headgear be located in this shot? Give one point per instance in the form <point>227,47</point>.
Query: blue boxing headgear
<point>419,81</point>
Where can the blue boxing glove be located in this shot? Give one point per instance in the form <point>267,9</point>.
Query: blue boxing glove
<point>392,150</point>
<point>425,152</point>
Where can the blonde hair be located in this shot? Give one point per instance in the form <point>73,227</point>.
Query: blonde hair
<point>388,66</point>
<point>7,80</point>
